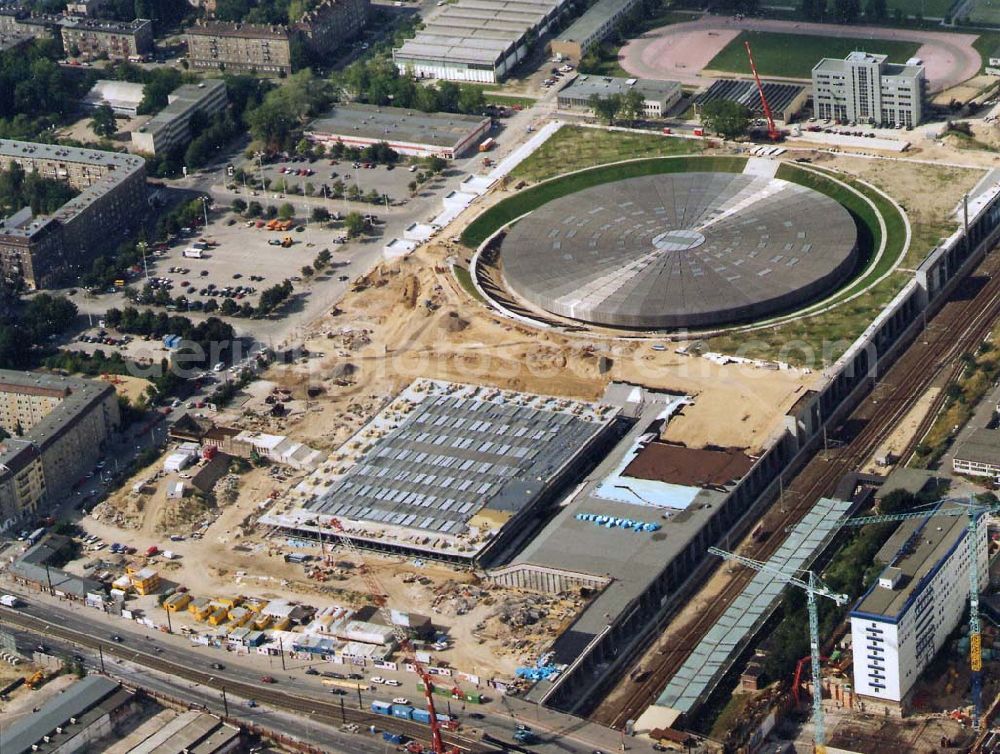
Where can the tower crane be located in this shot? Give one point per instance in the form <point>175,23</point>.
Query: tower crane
<point>814,587</point>
<point>772,132</point>
<point>378,595</point>
<point>974,510</point>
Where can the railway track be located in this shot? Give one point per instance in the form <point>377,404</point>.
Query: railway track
<point>259,692</point>
<point>963,321</point>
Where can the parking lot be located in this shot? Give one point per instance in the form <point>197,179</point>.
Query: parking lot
<point>294,175</point>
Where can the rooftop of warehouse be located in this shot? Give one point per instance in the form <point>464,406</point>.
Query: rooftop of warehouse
<point>397,124</point>
<point>27,734</point>
<point>981,446</point>
<point>920,544</point>
<point>460,49</point>
<point>596,16</point>
<point>439,454</point>
<point>629,558</point>
<point>585,85</point>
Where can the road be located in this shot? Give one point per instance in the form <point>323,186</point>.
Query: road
<point>176,665</point>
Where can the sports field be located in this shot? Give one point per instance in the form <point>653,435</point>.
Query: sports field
<point>794,55</point>
<point>986,12</point>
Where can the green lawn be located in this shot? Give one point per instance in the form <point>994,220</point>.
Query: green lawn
<point>987,44</point>
<point>464,278</point>
<point>574,148</point>
<point>794,55</point>
<point>986,12</point>
<point>531,198</point>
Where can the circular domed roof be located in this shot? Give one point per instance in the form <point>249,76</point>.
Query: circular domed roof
<point>680,250</point>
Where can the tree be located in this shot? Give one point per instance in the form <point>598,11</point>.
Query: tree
<point>727,118</point>
<point>320,215</point>
<point>354,223</point>
<point>813,10</point>
<point>239,206</point>
<point>254,209</point>
<point>633,105</point>
<point>307,271</point>
<point>412,186</point>
<point>876,10</point>
<point>286,211</point>
<point>846,11</point>
<point>103,122</point>
<point>228,307</point>
<point>606,108</point>
<point>322,259</point>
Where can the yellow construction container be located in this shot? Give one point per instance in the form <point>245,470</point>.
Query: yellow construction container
<point>239,615</point>
<point>219,616</point>
<point>145,581</point>
<point>177,602</point>
<point>133,567</point>
<point>229,602</point>
<point>262,622</point>
<point>282,624</point>
<point>201,608</point>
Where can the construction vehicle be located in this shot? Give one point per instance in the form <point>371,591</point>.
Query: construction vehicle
<point>273,224</point>
<point>487,144</point>
<point>286,241</point>
<point>813,587</point>
<point>962,507</point>
<point>36,680</point>
<point>378,595</point>
<point>772,132</point>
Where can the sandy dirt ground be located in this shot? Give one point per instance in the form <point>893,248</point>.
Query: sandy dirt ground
<point>24,701</point>
<point>81,130</point>
<point>679,52</point>
<point>903,432</point>
<point>929,193</point>
<point>412,320</point>
<point>132,388</point>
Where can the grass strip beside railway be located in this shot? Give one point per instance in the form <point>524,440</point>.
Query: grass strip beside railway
<point>531,198</point>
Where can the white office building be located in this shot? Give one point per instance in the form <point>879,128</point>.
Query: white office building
<point>903,620</point>
<point>863,88</point>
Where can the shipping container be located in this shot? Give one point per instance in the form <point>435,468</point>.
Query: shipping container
<point>381,708</point>
<point>402,711</point>
<point>421,716</point>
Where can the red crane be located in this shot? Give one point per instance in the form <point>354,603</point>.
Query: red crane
<point>772,131</point>
<point>378,595</point>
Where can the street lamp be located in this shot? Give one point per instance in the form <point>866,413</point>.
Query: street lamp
<point>204,206</point>
<point>142,247</point>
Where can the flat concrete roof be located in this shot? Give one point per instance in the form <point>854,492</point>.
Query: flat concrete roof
<point>592,19</point>
<point>396,124</point>
<point>585,85</point>
<point>120,167</point>
<point>632,560</point>
<point>923,543</point>
<point>982,446</point>
<point>182,100</point>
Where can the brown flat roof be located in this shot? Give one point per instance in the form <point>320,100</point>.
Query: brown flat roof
<point>690,467</point>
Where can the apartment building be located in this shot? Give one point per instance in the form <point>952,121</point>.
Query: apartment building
<point>864,88</point>
<point>901,623</point>
<point>327,27</point>
<point>240,47</point>
<point>59,427</point>
<point>119,40</point>
<point>111,205</point>
<point>170,128</point>
<point>592,28</point>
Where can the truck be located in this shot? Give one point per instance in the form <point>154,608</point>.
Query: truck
<point>487,144</point>
<point>35,535</point>
<point>393,738</point>
<point>9,600</point>
<point>193,253</point>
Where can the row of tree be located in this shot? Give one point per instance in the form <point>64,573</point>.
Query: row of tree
<point>627,107</point>
<point>845,11</point>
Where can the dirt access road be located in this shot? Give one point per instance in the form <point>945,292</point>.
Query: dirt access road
<point>681,51</point>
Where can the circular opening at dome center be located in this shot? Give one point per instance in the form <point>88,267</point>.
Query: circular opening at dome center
<point>678,240</point>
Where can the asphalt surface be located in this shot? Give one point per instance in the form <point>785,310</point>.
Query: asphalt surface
<point>155,661</point>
